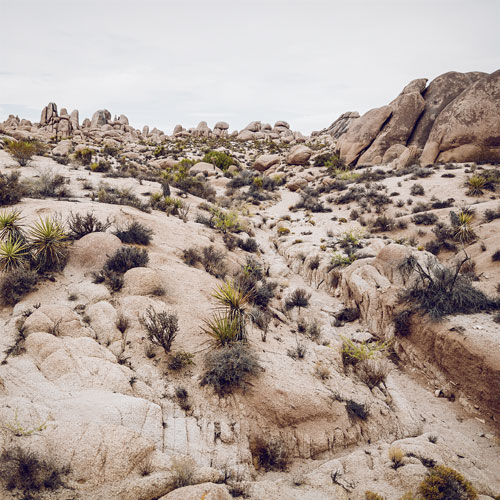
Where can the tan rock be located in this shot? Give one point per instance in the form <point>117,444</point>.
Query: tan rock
<point>205,491</point>
<point>263,162</point>
<point>142,281</point>
<point>91,252</point>
<point>299,155</point>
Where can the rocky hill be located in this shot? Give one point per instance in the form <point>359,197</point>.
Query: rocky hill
<point>215,314</point>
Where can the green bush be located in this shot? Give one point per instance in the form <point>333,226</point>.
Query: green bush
<point>444,483</point>
<point>49,244</point>
<point>219,159</point>
<point>21,151</point>
<point>84,156</point>
<point>298,298</point>
<point>272,454</point>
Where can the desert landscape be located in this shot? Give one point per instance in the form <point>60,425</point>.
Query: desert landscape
<point>209,313</point>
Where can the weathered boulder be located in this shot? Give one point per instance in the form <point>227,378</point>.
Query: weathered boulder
<point>253,126</point>
<point>263,162</point>
<point>100,117</point>
<point>91,252</point>
<point>361,133</point>
<point>299,155</point>
<point>142,281</point>
<point>221,126</point>
<point>63,148</point>
<point>440,92</point>
<point>340,126</point>
<point>204,168</point>
<point>393,152</point>
<point>406,109</point>
<point>468,129</point>
<point>245,135</point>
<point>75,120</point>
<point>49,112</point>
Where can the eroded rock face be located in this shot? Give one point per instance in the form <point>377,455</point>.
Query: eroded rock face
<point>468,129</point>
<point>440,92</point>
<point>100,117</point>
<point>362,133</point>
<point>340,126</point>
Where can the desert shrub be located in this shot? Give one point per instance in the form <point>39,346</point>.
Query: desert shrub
<point>298,298</point>
<point>396,456</point>
<point>356,410</point>
<point>84,156</point>
<point>354,352</point>
<point>496,256</point>
<point>341,260</point>
<point>231,241</point>
<point>183,470</point>
<point>196,187</point>
<point>21,151</point>
<point>444,483</point>
<point>299,351</point>
<point>491,214</point>
<point>180,360</point>
<point>272,454</point>
<point>11,225</point>
<point>370,495</point>
<point>212,260</point>
<point>80,225</point>
<point>402,323</point>
<point>222,327</point>
<point>110,150</point>
<point>27,472</point>
<point>442,203</point>
<point>16,284</point>
<point>11,190</point>
<point>417,190</point>
<point>383,223</point>
<point>283,231</point>
<point>230,368</point>
<point>191,256</point>
<point>219,159</point>
<point>249,245</point>
<point>126,258</point>
<point>347,315</point>
<point>134,232</point>
<point>107,194</point>
<point>13,253</point>
<point>309,201</point>
<point>162,327</point>
<point>263,294</point>
<point>440,290</point>
<point>462,226</point>
<point>48,184</point>
<point>224,221</point>
<point>48,244</point>
<point>372,371</point>
<point>425,218</point>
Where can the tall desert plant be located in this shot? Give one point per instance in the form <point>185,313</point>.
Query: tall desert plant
<point>48,241</point>
<point>11,225</point>
<point>13,254</point>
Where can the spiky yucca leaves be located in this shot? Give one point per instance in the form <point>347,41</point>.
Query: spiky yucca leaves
<point>476,185</point>
<point>13,254</point>
<point>236,302</point>
<point>222,328</point>
<point>463,227</point>
<point>49,244</point>
<point>10,225</point>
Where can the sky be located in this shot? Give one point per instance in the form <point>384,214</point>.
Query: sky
<point>167,62</point>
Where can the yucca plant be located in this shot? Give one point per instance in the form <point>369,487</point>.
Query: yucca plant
<point>10,225</point>
<point>476,185</point>
<point>235,302</point>
<point>13,254</point>
<point>463,230</point>
<point>222,328</point>
<point>49,244</point>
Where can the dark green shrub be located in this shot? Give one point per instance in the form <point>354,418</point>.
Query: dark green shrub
<point>440,291</point>
<point>356,410</point>
<point>425,218</point>
<point>84,156</point>
<point>444,483</point>
<point>11,190</point>
<point>162,327</point>
<point>299,298</point>
<point>496,256</point>
<point>249,245</point>
<point>81,225</point>
<point>417,190</point>
<point>272,454</point>
<point>27,472</point>
<point>230,368</point>
<point>126,258</point>
<point>16,284</point>
<point>135,233</point>
<point>383,223</point>
<point>212,260</point>
<point>402,323</point>
<point>191,256</point>
<point>180,360</point>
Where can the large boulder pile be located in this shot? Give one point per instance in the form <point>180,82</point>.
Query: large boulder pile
<point>455,118</point>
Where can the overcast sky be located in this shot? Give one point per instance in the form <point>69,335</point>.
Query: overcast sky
<point>167,62</point>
